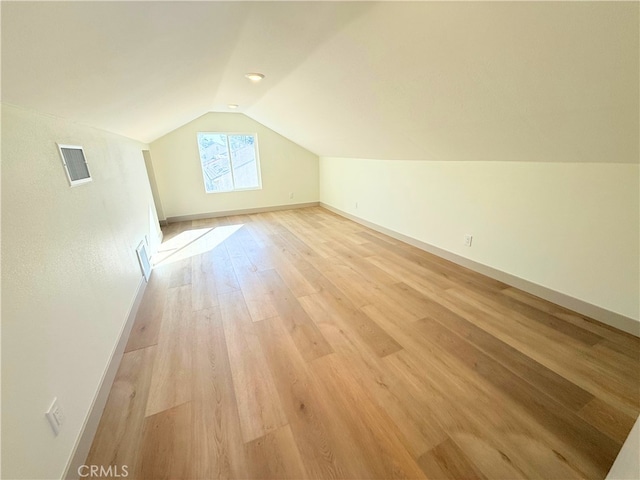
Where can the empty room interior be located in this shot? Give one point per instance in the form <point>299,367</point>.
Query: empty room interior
<point>345,240</point>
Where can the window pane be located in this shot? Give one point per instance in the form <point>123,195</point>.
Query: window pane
<point>214,157</point>
<point>243,158</point>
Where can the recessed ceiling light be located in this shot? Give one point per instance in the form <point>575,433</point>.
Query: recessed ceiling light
<point>254,77</point>
<point>233,106</point>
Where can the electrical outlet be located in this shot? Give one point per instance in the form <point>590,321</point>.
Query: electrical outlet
<point>467,240</point>
<point>356,205</point>
<point>290,195</point>
<point>55,415</point>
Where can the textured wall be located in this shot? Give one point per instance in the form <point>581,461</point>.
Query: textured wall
<point>69,277</point>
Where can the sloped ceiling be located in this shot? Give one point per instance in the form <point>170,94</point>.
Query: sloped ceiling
<point>391,80</point>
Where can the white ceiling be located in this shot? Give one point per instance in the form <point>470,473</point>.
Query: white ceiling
<point>548,81</point>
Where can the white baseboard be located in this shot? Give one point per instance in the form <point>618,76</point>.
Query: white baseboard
<point>273,208</point>
<point>603,315</point>
<point>85,439</point>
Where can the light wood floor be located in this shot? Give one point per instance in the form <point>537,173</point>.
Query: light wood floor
<point>299,344</point>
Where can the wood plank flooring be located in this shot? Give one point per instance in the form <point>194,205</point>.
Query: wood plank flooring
<point>299,344</point>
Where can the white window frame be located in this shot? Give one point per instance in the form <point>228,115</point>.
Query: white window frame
<point>257,154</point>
<point>74,183</point>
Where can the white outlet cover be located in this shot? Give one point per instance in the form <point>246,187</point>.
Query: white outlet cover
<point>55,415</point>
<point>468,239</point>
<point>58,415</point>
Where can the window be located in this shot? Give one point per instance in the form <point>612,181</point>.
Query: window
<point>74,164</point>
<point>229,161</point>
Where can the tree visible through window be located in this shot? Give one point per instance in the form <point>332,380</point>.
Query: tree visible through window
<point>229,161</point>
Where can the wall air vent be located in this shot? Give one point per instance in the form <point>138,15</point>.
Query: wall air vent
<point>143,259</point>
<point>75,164</point>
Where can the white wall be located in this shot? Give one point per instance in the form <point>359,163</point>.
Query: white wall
<point>153,184</point>
<point>69,277</point>
<point>627,463</point>
<point>570,227</point>
<point>286,167</point>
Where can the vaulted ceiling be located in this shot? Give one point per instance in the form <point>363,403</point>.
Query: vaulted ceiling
<point>392,80</point>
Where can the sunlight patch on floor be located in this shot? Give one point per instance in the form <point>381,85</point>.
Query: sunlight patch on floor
<point>193,242</point>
